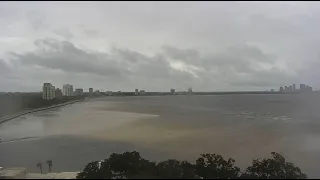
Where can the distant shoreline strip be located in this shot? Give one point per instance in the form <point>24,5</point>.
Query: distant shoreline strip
<point>3,120</point>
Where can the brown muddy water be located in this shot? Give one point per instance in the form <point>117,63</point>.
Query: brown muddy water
<point>161,127</point>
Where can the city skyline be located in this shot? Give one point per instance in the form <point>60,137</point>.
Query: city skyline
<point>86,89</point>
<point>292,88</point>
<point>68,90</point>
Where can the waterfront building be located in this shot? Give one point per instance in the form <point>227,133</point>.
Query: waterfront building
<point>67,90</point>
<point>302,87</point>
<point>48,91</point>
<point>281,89</point>
<point>58,93</point>
<point>78,92</point>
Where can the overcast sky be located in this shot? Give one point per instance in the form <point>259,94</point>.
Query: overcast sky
<point>209,46</point>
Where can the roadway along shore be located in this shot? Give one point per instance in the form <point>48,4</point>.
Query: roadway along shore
<point>5,119</point>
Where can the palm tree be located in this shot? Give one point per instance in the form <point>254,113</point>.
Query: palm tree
<point>39,165</point>
<point>49,162</point>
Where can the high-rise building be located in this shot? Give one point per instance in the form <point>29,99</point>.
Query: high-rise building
<point>78,92</point>
<point>190,90</point>
<point>90,91</point>
<point>281,89</point>
<point>48,91</point>
<point>136,92</point>
<point>294,87</point>
<point>67,90</point>
<point>58,93</point>
<point>302,87</point>
<point>172,91</point>
<point>290,89</point>
<point>285,89</point>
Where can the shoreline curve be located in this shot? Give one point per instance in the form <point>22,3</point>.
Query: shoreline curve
<point>5,119</point>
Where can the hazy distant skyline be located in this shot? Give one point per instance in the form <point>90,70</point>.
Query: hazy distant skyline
<point>209,46</point>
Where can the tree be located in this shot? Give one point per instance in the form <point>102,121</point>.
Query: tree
<point>188,170</point>
<point>94,171</point>
<point>213,166</point>
<point>274,168</point>
<point>39,165</point>
<point>120,166</point>
<point>130,165</point>
<point>175,169</point>
<point>49,162</point>
<point>170,169</point>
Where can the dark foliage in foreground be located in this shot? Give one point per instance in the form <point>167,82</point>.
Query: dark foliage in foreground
<point>130,165</point>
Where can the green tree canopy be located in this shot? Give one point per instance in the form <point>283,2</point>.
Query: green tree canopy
<point>130,165</point>
<point>213,166</point>
<point>274,168</point>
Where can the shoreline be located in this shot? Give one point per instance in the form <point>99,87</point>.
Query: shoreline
<point>5,119</point>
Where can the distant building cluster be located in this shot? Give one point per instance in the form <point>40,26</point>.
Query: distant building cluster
<point>109,93</point>
<point>292,88</point>
<point>50,92</point>
<point>142,92</point>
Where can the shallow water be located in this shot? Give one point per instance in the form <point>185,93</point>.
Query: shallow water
<point>239,126</point>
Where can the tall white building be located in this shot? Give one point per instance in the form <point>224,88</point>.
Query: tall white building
<point>67,90</point>
<point>48,91</point>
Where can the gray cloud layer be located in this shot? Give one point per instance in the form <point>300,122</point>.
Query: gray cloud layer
<point>158,45</point>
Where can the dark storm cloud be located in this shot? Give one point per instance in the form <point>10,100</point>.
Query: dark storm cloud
<point>66,57</point>
<point>237,65</point>
<point>128,55</point>
<point>63,55</point>
<point>204,45</point>
<point>242,59</point>
<point>234,60</point>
